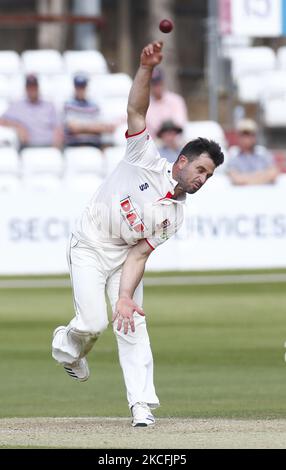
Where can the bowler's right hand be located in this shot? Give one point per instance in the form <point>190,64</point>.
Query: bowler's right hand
<point>152,54</point>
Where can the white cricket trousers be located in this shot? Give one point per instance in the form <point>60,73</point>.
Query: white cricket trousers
<point>92,272</point>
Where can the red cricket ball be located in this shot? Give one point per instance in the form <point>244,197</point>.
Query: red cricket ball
<point>166,26</point>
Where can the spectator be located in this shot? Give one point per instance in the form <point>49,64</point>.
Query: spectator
<point>82,124</point>
<point>171,144</point>
<point>164,105</point>
<point>35,120</point>
<point>250,163</point>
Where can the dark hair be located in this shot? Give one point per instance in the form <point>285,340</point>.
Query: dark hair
<point>198,146</point>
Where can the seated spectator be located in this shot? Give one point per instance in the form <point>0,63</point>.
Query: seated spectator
<point>35,120</point>
<point>164,105</point>
<point>82,124</point>
<point>250,163</point>
<point>171,144</point>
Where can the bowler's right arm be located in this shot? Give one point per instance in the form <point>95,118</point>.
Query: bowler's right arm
<point>139,95</point>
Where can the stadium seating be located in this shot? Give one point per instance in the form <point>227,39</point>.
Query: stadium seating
<point>3,105</point>
<point>114,109</point>
<point>119,139</point>
<point>281,58</point>
<point>8,137</point>
<point>88,61</point>
<point>9,162</point>
<point>42,160</point>
<point>208,129</point>
<point>9,170</point>
<point>112,85</point>
<point>270,83</point>
<point>113,156</point>
<point>84,161</point>
<point>42,168</point>
<point>251,60</point>
<point>230,43</point>
<point>11,88</point>
<point>274,111</point>
<point>57,88</point>
<point>42,62</point>
<point>4,87</point>
<point>83,182</point>
<point>9,183</point>
<point>10,63</point>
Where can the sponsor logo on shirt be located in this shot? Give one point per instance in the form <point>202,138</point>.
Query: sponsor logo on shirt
<point>143,186</point>
<point>131,215</point>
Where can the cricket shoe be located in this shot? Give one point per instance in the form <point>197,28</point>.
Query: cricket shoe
<point>142,415</point>
<point>78,370</point>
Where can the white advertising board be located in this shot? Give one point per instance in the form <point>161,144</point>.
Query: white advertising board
<point>225,227</point>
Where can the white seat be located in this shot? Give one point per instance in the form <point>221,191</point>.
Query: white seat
<point>208,129</point>
<point>113,156</point>
<point>84,160</point>
<point>12,87</point>
<point>88,61</point>
<point>43,62</point>
<point>110,85</point>
<point>4,105</point>
<point>9,161</point>
<point>9,183</point>
<point>8,136</point>
<point>10,62</point>
<point>119,139</point>
<point>42,160</point>
<point>252,60</point>
<point>114,110</point>
<point>16,87</point>
<point>274,111</point>
<point>42,182</point>
<point>249,88</point>
<point>281,57</point>
<point>4,87</point>
<point>57,89</point>
<point>230,43</point>
<point>271,83</point>
<point>86,183</point>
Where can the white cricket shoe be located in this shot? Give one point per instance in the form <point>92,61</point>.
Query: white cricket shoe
<point>78,370</point>
<point>142,415</point>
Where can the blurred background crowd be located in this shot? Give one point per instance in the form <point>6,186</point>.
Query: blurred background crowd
<point>66,73</point>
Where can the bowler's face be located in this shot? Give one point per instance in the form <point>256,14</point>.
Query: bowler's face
<point>193,175</point>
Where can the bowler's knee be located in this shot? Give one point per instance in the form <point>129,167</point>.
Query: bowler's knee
<point>97,327</point>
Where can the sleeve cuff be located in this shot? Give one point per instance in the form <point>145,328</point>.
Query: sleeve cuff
<point>134,135</point>
<point>151,246</point>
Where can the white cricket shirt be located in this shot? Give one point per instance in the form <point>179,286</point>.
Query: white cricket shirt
<point>134,202</point>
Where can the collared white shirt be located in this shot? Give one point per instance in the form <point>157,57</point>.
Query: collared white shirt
<point>134,202</point>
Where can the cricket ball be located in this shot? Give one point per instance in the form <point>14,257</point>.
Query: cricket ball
<point>166,26</point>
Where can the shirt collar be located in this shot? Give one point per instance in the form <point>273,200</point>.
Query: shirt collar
<point>167,200</point>
<point>170,175</point>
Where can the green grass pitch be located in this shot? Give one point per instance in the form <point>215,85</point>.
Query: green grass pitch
<point>218,350</point>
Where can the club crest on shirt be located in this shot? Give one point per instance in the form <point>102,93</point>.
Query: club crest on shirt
<point>166,223</point>
<point>162,229</point>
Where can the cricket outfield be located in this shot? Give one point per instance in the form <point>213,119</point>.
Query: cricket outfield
<point>220,371</point>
